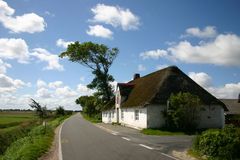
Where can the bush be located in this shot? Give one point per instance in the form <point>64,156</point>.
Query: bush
<point>219,143</point>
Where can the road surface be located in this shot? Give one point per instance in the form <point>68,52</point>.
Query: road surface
<point>81,140</point>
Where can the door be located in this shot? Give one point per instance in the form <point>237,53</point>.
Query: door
<point>117,115</point>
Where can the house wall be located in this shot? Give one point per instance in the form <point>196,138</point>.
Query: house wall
<point>128,118</point>
<point>109,116</point>
<point>212,117</point>
<point>155,117</point>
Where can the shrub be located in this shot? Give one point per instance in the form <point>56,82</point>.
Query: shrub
<point>219,143</point>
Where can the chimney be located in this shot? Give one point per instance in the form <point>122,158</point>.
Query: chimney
<point>239,98</point>
<point>136,76</point>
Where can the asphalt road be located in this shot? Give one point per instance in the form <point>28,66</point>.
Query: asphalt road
<point>81,140</point>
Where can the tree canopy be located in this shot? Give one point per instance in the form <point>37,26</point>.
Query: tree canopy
<point>97,57</point>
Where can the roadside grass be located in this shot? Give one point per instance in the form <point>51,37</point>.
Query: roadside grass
<point>161,132</point>
<point>196,155</point>
<point>94,119</point>
<point>35,144</point>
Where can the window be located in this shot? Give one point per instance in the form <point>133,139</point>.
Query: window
<point>136,114</point>
<point>122,114</point>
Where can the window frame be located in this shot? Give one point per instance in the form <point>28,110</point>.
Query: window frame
<point>136,114</point>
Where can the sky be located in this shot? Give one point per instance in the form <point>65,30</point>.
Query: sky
<point>202,38</point>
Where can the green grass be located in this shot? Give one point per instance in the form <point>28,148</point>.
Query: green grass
<point>91,119</point>
<point>160,132</point>
<point>194,154</point>
<point>10,119</point>
<point>35,144</point>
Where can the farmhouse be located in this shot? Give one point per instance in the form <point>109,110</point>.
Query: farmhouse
<point>140,102</point>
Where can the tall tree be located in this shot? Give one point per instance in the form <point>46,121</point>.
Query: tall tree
<point>97,57</point>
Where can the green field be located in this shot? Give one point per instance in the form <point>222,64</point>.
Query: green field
<point>14,118</point>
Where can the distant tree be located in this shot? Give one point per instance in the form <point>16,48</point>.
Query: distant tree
<point>60,111</point>
<point>90,105</point>
<point>99,58</point>
<point>41,111</point>
<point>183,111</point>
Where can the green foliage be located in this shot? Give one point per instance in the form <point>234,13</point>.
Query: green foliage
<point>60,111</point>
<point>94,119</point>
<point>35,144</point>
<point>182,112</point>
<point>9,136</point>
<point>91,105</point>
<point>97,57</point>
<point>219,144</point>
<point>41,111</point>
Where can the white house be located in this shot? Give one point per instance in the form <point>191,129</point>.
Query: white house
<point>140,102</point>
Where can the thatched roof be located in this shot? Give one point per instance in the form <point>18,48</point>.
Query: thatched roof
<point>233,105</point>
<point>156,88</point>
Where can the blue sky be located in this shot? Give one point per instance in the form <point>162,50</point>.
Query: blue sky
<point>202,38</point>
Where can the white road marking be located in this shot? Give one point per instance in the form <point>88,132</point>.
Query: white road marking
<point>108,130</point>
<point>126,138</point>
<point>114,133</point>
<point>60,143</point>
<point>169,156</point>
<point>146,146</point>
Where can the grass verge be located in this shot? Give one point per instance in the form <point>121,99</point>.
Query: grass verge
<point>93,119</point>
<point>35,144</point>
<point>160,132</point>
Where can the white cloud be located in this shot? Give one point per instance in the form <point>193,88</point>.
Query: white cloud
<point>55,84</point>
<point>141,68</point>
<point>51,59</point>
<point>14,49</point>
<point>29,22</point>
<point>83,90</point>
<point>41,84</point>
<point>224,50</point>
<point>62,43</point>
<point>161,66</point>
<point>7,84</point>
<point>229,90</point>
<point>4,66</point>
<point>99,31</point>
<point>207,32</point>
<point>115,16</point>
<point>65,92</point>
<point>43,93</point>
<point>201,78</point>
<point>153,54</point>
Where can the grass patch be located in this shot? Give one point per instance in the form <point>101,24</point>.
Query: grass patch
<point>35,144</point>
<point>195,154</point>
<point>160,132</point>
<point>94,119</point>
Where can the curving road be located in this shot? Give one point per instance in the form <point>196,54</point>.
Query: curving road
<point>81,140</point>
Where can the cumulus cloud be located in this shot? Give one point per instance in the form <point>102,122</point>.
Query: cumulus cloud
<point>207,32</point>
<point>29,22</point>
<point>201,78</point>
<point>41,84</point>
<point>161,66</point>
<point>51,59</point>
<point>65,92</point>
<point>229,90</point>
<point>223,50</point>
<point>99,31</point>
<point>4,66</point>
<point>153,54</point>
<point>55,84</point>
<point>141,68</point>
<point>115,16</point>
<point>14,49</point>
<point>62,43</point>
<point>43,93</point>
<point>83,90</point>
<point>8,84</point>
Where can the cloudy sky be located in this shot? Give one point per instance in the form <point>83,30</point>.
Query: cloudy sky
<point>202,38</point>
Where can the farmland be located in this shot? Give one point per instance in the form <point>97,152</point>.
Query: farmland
<point>11,119</point>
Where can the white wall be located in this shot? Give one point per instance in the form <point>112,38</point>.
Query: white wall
<point>129,117</point>
<point>155,117</point>
<point>212,117</point>
<point>109,116</point>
